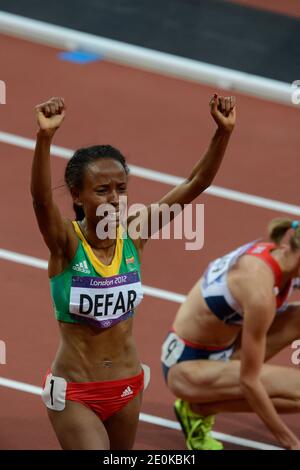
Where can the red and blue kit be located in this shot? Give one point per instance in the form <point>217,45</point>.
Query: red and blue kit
<point>214,284</point>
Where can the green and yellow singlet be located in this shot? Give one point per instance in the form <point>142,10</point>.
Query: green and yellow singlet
<point>88,290</point>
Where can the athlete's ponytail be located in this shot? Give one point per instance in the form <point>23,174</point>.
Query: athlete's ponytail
<point>280,226</point>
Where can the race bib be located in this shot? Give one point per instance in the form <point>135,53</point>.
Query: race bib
<point>147,375</point>
<point>54,393</point>
<point>105,299</point>
<point>171,350</point>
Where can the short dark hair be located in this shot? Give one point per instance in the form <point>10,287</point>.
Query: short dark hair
<point>81,159</point>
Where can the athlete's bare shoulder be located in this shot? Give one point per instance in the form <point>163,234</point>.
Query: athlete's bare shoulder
<point>251,278</point>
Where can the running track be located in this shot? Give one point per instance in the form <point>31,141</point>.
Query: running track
<point>161,124</point>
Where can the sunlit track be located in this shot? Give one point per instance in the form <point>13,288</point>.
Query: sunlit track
<point>165,178</point>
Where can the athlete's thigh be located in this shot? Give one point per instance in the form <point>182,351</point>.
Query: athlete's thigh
<point>122,426</point>
<point>78,428</point>
<point>205,381</point>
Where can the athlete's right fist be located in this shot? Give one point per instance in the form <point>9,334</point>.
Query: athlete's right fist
<point>50,115</point>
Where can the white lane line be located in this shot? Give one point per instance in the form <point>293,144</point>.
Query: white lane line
<point>146,59</point>
<point>21,386</point>
<point>23,259</point>
<point>43,264</point>
<point>156,420</point>
<point>167,423</point>
<point>165,178</point>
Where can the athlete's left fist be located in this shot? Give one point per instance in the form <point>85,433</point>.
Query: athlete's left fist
<point>223,111</point>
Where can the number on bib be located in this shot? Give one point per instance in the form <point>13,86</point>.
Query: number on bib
<point>172,349</point>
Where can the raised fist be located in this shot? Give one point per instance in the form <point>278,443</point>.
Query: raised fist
<point>50,115</point>
<point>222,110</point>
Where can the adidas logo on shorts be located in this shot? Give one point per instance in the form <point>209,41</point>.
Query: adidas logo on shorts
<point>128,391</point>
<point>82,267</point>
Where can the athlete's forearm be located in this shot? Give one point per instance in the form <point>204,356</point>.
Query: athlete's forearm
<point>41,170</point>
<point>261,404</point>
<point>205,170</point>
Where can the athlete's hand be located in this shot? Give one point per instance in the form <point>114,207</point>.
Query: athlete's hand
<point>222,110</point>
<point>50,115</point>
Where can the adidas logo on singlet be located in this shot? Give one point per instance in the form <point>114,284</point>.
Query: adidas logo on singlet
<point>82,267</point>
<point>127,391</point>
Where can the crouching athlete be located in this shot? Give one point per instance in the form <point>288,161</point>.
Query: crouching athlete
<point>234,320</point>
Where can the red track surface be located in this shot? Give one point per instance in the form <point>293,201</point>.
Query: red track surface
<point>162,124</point>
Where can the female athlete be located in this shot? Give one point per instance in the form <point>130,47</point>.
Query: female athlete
<point>94,389</point>
<point>234,320</point>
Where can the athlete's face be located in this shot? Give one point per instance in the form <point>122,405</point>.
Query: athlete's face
<point>104,182</point>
